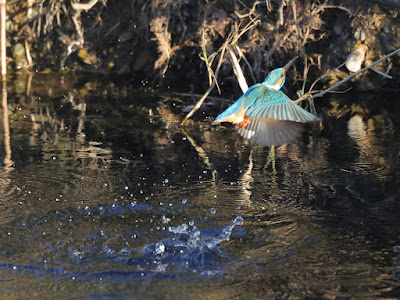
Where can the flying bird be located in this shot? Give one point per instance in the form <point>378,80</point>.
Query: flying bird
<point>265,115</point>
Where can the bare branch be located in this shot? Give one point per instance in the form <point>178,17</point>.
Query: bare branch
<point>201,100</point>
<point>230,41</point>
<point>381,73</point>
<point>322,93</point>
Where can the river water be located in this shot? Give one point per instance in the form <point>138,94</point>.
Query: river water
<point>104,196</point>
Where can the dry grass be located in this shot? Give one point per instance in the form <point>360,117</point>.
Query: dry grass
<point>37,20</point>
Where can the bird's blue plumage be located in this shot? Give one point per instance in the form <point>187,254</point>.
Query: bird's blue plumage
<point>230,110</point>
<point>237,105</point>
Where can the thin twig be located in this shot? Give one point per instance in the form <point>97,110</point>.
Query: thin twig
<point>198,104</point>
<point>230,41</point>
<point>251,11</point>
<point>322,93</point>
<point>198,96</point>
<point>206,60</point>
<point>381,73</point>
<point>241,55</point>
<point>201,100</point>
<point>305,73</point>
<point>236,35</point>
<point>28,54</point>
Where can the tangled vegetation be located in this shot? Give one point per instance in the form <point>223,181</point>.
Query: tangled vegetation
<point>160,40</point>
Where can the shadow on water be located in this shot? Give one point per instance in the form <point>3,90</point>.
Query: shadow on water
<point>102,195</point>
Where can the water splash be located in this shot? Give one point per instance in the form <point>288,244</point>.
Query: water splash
<point>189,249</point>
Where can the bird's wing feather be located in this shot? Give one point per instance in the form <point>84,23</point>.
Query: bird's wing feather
<point>276,105</point>
<point>270,132</point>
<point>243,102</point>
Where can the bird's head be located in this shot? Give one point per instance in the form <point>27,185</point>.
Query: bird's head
<point>276,79</point>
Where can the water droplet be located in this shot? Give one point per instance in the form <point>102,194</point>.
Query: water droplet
<point>165,220</point>
<point>178,229</point>
<point>213,210</point>
<point>238,220</point>
<point>159,248</point>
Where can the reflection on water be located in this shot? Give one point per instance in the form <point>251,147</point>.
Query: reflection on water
<point>102,195</point>
<point>6,128</point>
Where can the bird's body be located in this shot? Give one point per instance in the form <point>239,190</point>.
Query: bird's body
<point>265,114</point>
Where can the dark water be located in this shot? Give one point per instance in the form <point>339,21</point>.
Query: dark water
<point>103,196</point>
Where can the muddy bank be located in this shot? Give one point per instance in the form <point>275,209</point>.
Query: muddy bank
<point>159,42</point>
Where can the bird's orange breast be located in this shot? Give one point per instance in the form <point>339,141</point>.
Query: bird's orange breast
<point>279,81</point>
<point>236,118</point>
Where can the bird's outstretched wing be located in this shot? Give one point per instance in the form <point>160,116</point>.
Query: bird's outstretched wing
<point>269,132</point>
<point>266,103</point>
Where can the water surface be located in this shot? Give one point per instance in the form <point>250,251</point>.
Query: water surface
<point>103,196</point>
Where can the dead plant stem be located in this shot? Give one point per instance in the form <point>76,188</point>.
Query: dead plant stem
<point>228,44</point>
<point>3,41</point>
<point>201,100</point>
<point>238,71</point>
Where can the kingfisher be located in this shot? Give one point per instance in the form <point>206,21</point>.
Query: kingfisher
<point>265,115</point>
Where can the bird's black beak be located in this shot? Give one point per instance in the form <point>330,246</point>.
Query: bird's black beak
<point>289,64</point>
